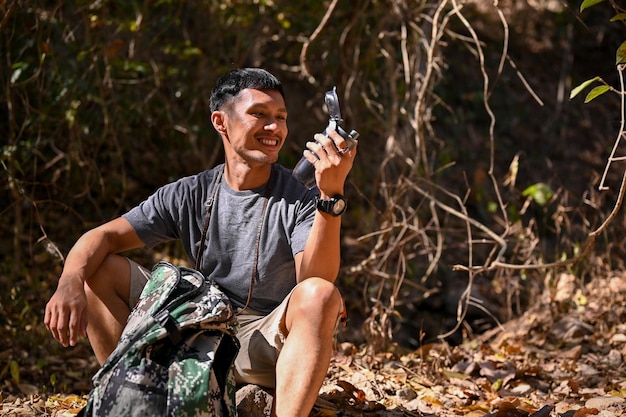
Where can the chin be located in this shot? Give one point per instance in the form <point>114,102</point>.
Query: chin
<point>265,159</point>
<point>269,159</point>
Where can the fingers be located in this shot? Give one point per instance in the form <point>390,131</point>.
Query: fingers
<point>54,321</point>
<point>331,146</point>
<point>78,327</point>
<point>73,330</point>
<point>343,144</point>
<point>61,329</point>
<point>332,157</point>
<point>65,323</point>
<point>324,153</point>
<point>325,149</point>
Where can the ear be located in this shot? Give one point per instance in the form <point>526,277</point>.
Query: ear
<point>219,122</point>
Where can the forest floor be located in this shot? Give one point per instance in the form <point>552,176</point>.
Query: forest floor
<point>563,357</point>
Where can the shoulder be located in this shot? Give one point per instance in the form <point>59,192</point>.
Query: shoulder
<point>193,182</point>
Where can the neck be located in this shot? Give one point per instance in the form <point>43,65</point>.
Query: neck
<point>243,177</point>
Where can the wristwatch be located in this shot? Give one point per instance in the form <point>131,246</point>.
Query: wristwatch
<point>336,206</point>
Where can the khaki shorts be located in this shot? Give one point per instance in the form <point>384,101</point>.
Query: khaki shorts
<point>261,336</point>
<point>138,278</point>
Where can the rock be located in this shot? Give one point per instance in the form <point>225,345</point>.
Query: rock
<point>254,401</point>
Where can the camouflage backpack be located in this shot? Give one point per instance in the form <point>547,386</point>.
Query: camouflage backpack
<point>175,355</point>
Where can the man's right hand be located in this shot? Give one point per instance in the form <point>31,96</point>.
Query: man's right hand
<point>66,312</point>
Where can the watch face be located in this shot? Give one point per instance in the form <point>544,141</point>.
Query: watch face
<point>339,206</point>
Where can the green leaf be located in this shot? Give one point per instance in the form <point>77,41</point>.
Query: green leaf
<point>588,3</point>
<point>191,51</point>
<point>597,91</point>
<point>582,86</point>
<point>497,385</point>
<point>14,368</point>
<point>620,56</point>
<point>541,193</point>
<point>620,16</point>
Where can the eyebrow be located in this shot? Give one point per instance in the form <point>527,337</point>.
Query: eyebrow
<point>265,106</point>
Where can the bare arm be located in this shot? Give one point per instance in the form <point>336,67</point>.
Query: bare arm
<point>321,256</point>
<point>66,315</point>
<point>92,247</point>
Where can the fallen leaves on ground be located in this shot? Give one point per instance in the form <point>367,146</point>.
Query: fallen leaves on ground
<point>563,357</point>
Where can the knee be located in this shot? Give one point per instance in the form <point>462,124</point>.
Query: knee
<point>316,295</point>
<point>112,276</point>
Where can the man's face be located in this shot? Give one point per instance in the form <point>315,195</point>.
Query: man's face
<point>255,126</point>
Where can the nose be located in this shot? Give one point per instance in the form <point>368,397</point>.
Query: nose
<point>271,125</point>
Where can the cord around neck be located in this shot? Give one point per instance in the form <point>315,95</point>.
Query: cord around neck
<point>205,227</point>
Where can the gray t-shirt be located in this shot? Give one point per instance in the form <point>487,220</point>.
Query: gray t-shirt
<point>177,211</point>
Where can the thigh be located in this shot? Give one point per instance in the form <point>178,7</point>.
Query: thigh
<point>261,338</point>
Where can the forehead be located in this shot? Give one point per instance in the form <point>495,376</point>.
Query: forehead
<point>249,97</point>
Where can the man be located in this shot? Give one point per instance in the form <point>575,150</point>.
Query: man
<point>272,245</point>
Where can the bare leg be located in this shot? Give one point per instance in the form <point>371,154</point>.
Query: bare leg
<point>303,361</point>
<point>107,302</point>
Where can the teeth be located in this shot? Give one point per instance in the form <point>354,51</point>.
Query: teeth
<point>269,142</point>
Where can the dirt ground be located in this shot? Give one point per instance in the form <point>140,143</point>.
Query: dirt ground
<point>563,357</point>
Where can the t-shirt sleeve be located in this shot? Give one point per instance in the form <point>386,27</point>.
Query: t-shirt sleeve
<point>304,223</point>
<point>157,219</point>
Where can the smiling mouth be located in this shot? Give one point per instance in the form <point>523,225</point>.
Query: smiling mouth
<point>269,142</point>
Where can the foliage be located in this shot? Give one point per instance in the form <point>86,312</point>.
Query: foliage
<point>597,91</point>
<point>620,57</point>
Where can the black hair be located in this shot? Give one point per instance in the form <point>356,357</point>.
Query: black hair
<point>231,83</point>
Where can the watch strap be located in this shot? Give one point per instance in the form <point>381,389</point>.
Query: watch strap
<point>330,206</point>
